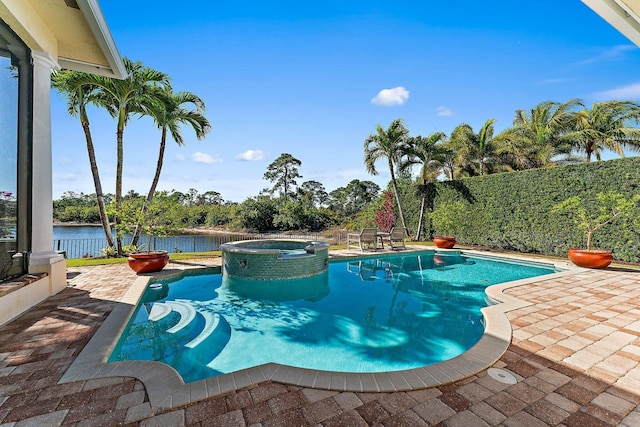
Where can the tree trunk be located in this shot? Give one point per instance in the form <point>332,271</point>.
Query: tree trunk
<point>120,159</point>
<point>154,184</point>
<point>421,219</point>
<point>395,189</point>
<point>104,220</point>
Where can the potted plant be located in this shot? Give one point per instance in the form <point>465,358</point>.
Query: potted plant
<point>592,218</point>
<point>443,218</point>
<point>156,221</point>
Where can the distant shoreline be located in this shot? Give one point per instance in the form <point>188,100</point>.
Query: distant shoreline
<point>76,224</point>
<point>196,231</point>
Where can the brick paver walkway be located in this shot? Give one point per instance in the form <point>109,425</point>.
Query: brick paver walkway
<point>575,353</point>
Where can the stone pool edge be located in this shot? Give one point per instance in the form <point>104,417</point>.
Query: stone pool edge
<point>166,389</point>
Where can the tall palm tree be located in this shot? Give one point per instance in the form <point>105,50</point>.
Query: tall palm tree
<point>169,110</point>
<point>69,83</point>
<point>386,143</point>
<point>537,135</point>
<point>122,99</point>
<point>606,126</point>
<point>429,154</point>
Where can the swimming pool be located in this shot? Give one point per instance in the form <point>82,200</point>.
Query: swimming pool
<point>380,314</point>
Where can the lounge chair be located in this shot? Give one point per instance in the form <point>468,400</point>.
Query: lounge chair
<point>368,238</point>
<point>396,238</point>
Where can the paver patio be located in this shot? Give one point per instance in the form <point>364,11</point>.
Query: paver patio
<point>575,352</point>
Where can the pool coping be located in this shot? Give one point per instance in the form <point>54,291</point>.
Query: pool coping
<point>166,388</point>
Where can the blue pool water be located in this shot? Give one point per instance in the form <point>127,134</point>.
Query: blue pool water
<point>390,313</point>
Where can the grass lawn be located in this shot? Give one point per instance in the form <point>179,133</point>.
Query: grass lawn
<point>82,262</point>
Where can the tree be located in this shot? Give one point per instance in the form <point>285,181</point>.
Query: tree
<point>122,99</point>
<point>353,198</point>
<point>385,144</point>
<point>315,191</point>
<point>455,162</point>
<point>169,111</point>
<point>385,217</point>
<point>429,154</point>
<point>591,217</point>
<point>537,135</point>
<point>476,153</point>
<point>159,220</point>
<point>606,126</point>
<point>283,172</point>
<point>72,85</point>
<point>256,213</point>
<point>210,198</point>
<point>484,148</point>
<point>359,194</point>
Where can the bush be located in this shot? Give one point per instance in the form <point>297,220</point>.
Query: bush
<point>513,211</point>
<point>256,213</point>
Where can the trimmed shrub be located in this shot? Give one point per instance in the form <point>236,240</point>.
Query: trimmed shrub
<point>513,210</point>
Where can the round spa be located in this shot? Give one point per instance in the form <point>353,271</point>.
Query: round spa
<point>274,259</point>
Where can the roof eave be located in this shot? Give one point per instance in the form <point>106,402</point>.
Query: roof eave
<point>93,14</point>
<point>618,15</point>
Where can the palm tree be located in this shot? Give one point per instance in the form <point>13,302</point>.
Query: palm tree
<point>386,144</point>
<point>455,161</point>
<point>475,153</point>
<point>69,83</point>
<point>537,135</point>
<point>606,126</point>
<point>169,112</point>
<point>429,154</point>
<point>122,99</point>
<point>485,148</point>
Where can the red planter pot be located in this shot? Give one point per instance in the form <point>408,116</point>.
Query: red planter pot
<point>590,258</point>
<point>148,262</point>
<point>444,242</point>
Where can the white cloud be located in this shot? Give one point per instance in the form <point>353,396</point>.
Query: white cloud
<point>631,91</point>
<point>554,81</point>
<point>609,54</point>
<point>67,177</point>
<point>180,157</point>
<point>205,158</point>
<point>443,111</point>
<point>252,155</point>
<point>65,161</point>
<point>391,97</point>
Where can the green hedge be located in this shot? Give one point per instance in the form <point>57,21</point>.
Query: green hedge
<point>513,210</point>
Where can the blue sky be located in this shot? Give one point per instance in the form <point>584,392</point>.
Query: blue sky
<point>314,79</point>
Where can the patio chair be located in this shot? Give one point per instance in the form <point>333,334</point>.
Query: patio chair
<point>368,237</point>
<point>396,238</point>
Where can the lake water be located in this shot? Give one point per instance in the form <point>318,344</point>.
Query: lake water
<point>80,232</point>
<point>88,241</point>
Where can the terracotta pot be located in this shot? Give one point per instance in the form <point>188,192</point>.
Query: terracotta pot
<point>444,242</point>
<point>148,262</point>
<point>590,258</point>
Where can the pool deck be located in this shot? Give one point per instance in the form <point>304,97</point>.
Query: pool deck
<point>575,352</point>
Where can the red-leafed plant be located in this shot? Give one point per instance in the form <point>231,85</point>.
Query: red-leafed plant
<point>386,217</point>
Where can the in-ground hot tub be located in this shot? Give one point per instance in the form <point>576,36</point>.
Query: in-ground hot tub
<point>274,259</point>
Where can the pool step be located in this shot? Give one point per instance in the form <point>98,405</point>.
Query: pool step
<point>211,322</point>
<point>159,311</point>
<point>187,315</point>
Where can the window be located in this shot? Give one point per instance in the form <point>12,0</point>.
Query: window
<point>15,148</point>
